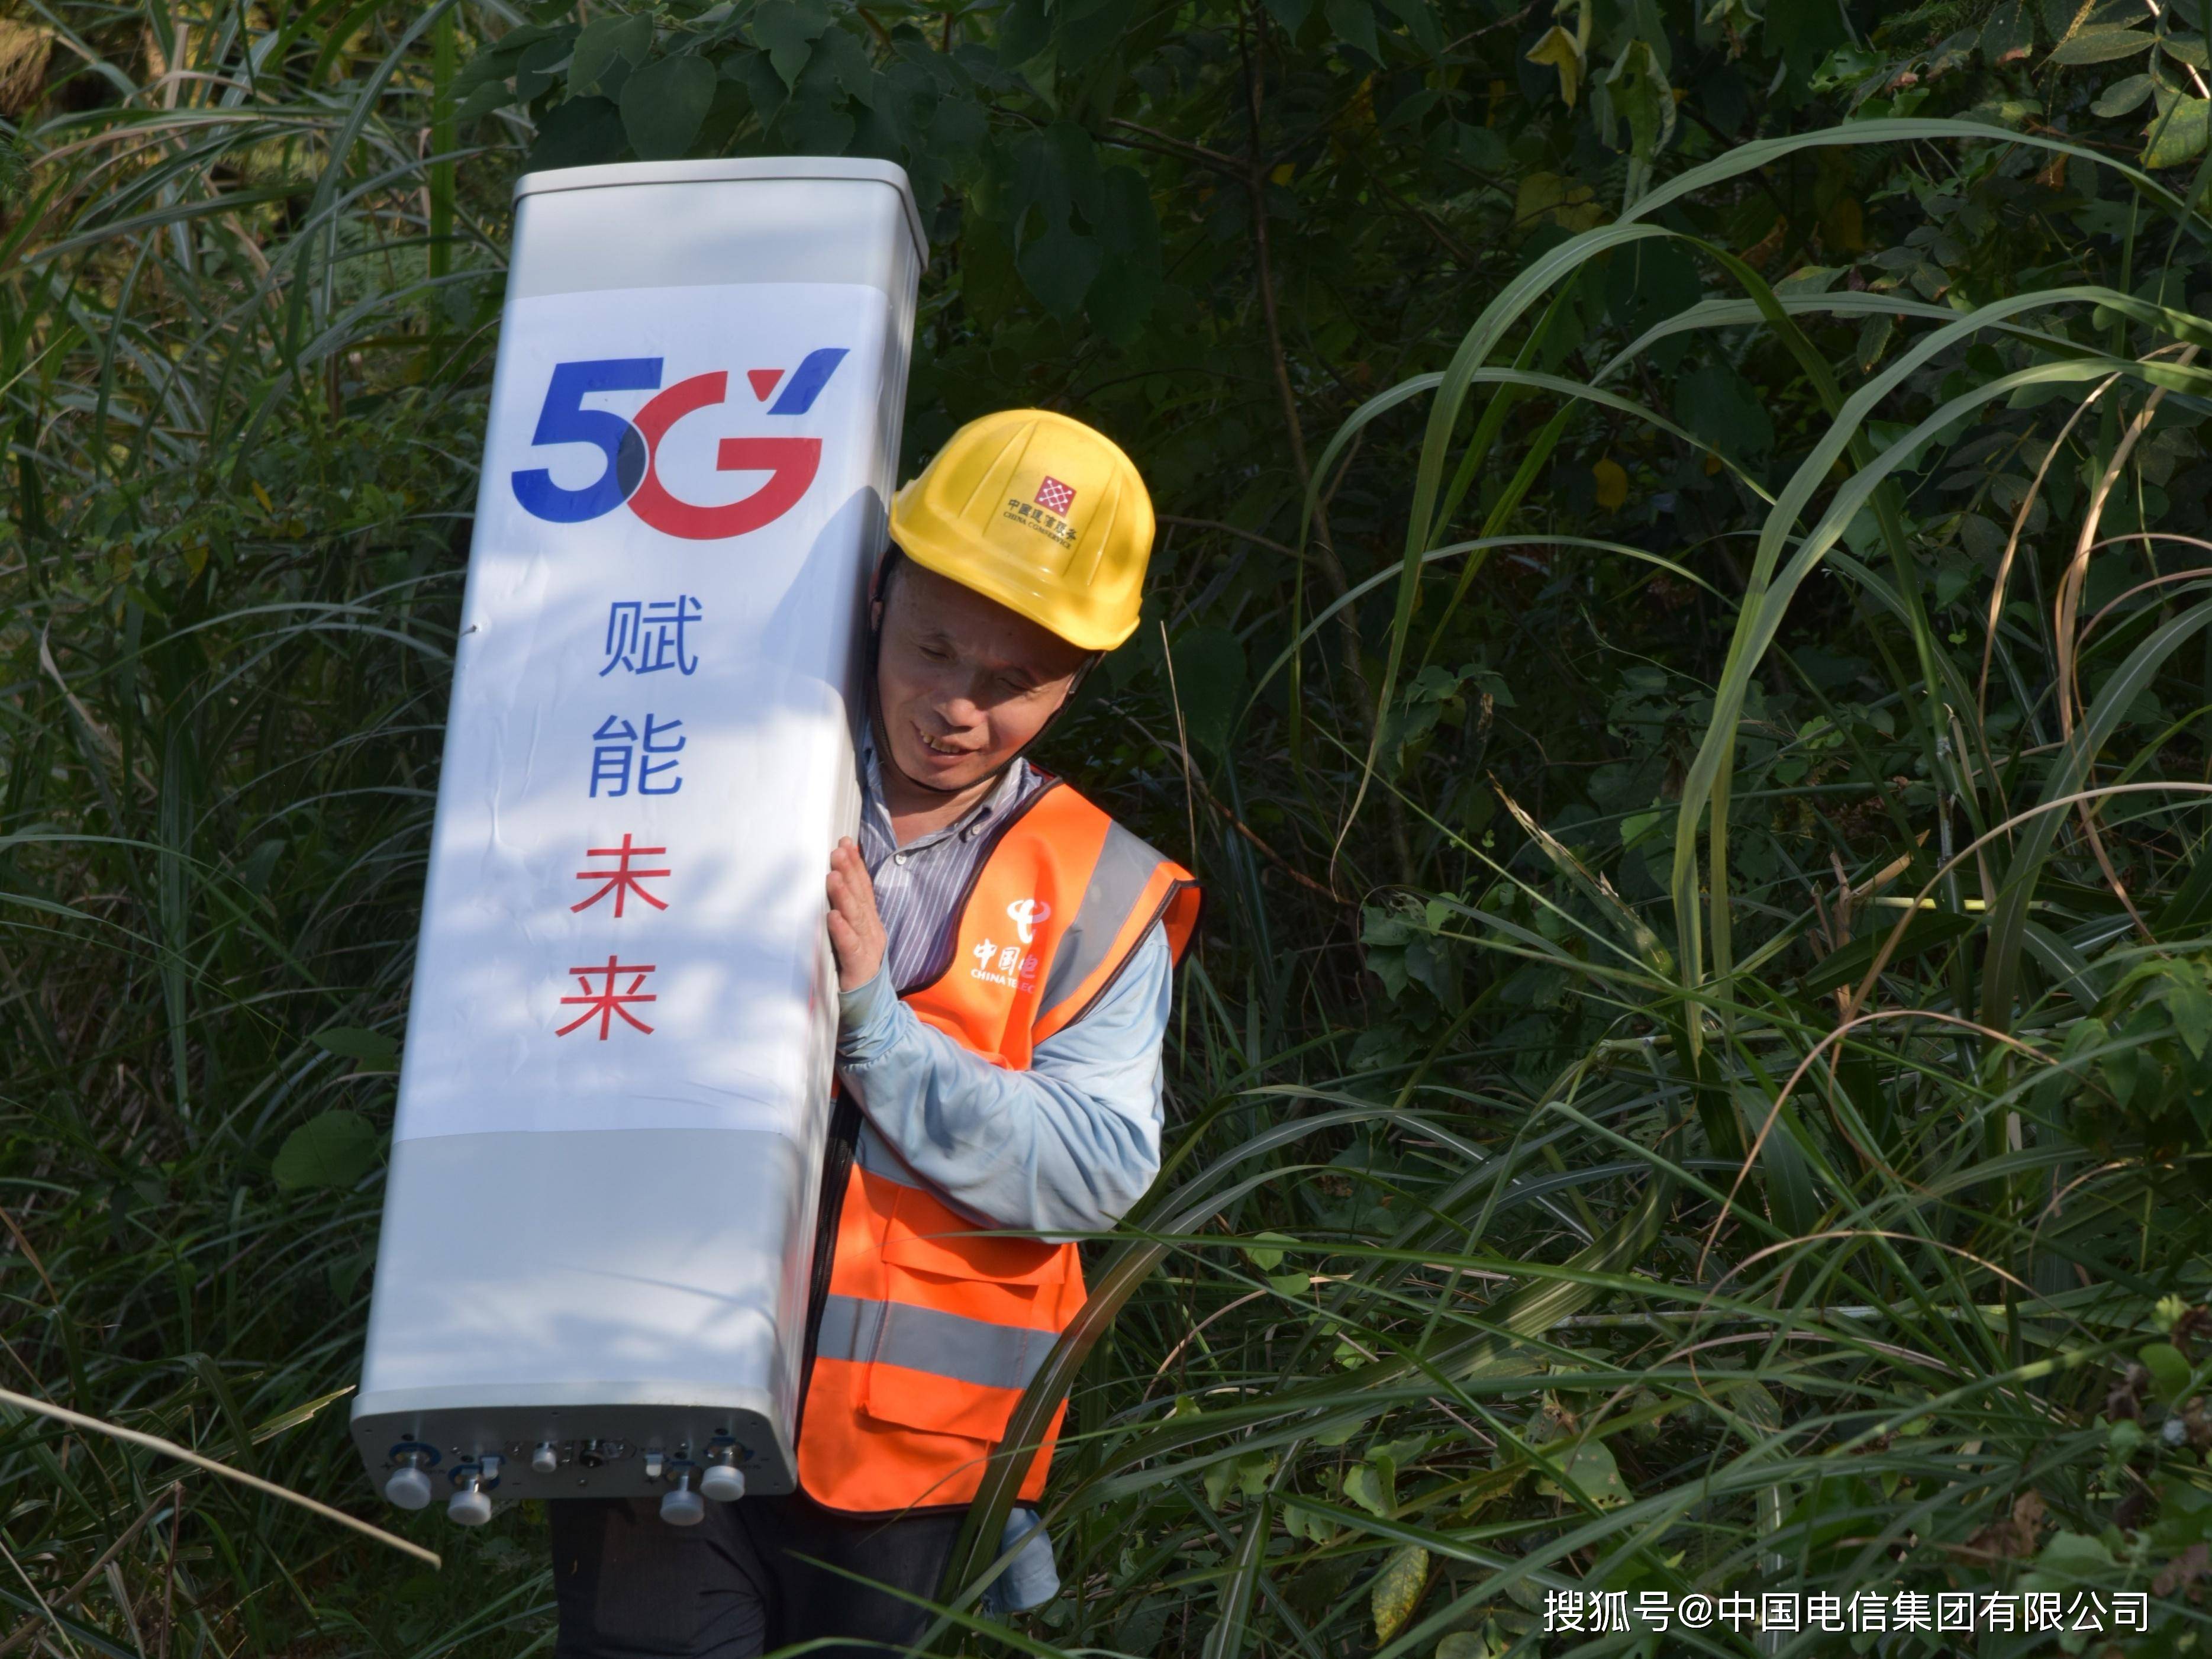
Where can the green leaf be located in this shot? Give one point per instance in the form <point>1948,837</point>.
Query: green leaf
<point>582,132</point>
<point>1636,88</point>
<point>2186,49</point>
<point>789,32</point>
<point>1805,34</point>
<point>2179,133</point>
<point>2099,43</point>
<point>1265,1257</point>
<point>488,97</point>
<point>2008,32</point>
<point>1060,266</point>
<point>1589,1469</point>
<point>375,1051</point>
<point>331,1149</point>
<point>1301,1523</point>
<point>344,1275</point>
<point>1809,279</point>
<point>813,123</point>
<point>842,62</point>
<point>1721,407</point>
<point>1543,198</point>
<point>2188,1003</point>
<point>605,41</point>
<point>1209,684</point>
<point>493,63</point>
<point>2169,1371</point>
<point>1367,1487</point>
<point>1397,1589</point>
<point>537,67</point>
<point>1248,1475</point>
<point>1791,1193</point>
<point>1928,930</point>
<point>2122,95</point>
<point>1253,1470</point>
<point>664,104</point>
<point>1352,22</point>
<point>1217,1482</point>
<point>763,87</point>
<point>1122,294</point>
<point>1291,14</point>
<point>2069,1559</point>
<point>1024,31</point>
<point>1873,340</point>
<point>1420,22</point>
<point>1559,49</point>
<point>1056,173</point>
<point>1646,283</point>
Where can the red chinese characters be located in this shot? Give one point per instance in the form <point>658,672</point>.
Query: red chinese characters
<point>605,997</point>
<point>625,878</point>
<point>604,1002</point>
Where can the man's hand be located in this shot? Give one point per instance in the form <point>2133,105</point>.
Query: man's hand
<point>856,932</point>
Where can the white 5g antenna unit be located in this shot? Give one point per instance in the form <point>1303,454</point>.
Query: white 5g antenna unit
<point>599,1219</point>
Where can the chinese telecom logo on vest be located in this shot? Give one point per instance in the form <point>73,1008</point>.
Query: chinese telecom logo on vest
<point>632,447</point>
<point>1013,966</point>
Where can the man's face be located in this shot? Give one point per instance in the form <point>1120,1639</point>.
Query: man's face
<point>963,682</point>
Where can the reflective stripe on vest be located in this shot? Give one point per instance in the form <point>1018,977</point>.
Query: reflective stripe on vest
<point>924,1339</point>
<point>933,1326</point>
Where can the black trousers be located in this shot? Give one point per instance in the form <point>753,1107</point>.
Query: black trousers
<point>628,1585</point>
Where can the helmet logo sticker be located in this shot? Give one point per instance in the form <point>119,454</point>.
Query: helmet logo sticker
<point>1041,519</point>
<point>1054,496</point>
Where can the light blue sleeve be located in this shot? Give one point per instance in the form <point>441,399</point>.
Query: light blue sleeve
<point>1062,1148</point>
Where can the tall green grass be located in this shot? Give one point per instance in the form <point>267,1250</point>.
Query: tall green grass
<point>244,394</point>
<point>1854,1246</point>
<point>1697,1197</point>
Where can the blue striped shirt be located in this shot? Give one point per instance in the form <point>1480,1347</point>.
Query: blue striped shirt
<point>919,887</point>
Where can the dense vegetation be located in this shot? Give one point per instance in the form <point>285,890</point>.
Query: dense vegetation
<point>1679,646</point>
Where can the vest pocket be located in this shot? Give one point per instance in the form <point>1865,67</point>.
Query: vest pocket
<point>924,1236</point>
<point>966,1321</point>
<point>949,1375</point>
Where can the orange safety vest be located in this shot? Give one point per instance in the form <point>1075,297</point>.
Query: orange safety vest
<point>925,1330</point>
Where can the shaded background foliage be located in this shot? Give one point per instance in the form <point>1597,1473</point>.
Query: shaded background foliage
<point>1640,1118</point>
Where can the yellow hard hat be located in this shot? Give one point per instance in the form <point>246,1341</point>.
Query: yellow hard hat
<point>1040,512</point>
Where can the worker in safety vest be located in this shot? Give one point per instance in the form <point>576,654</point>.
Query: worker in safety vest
<point>1004,955</point>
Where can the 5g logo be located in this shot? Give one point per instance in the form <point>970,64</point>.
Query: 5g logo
<point>631,446</point>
